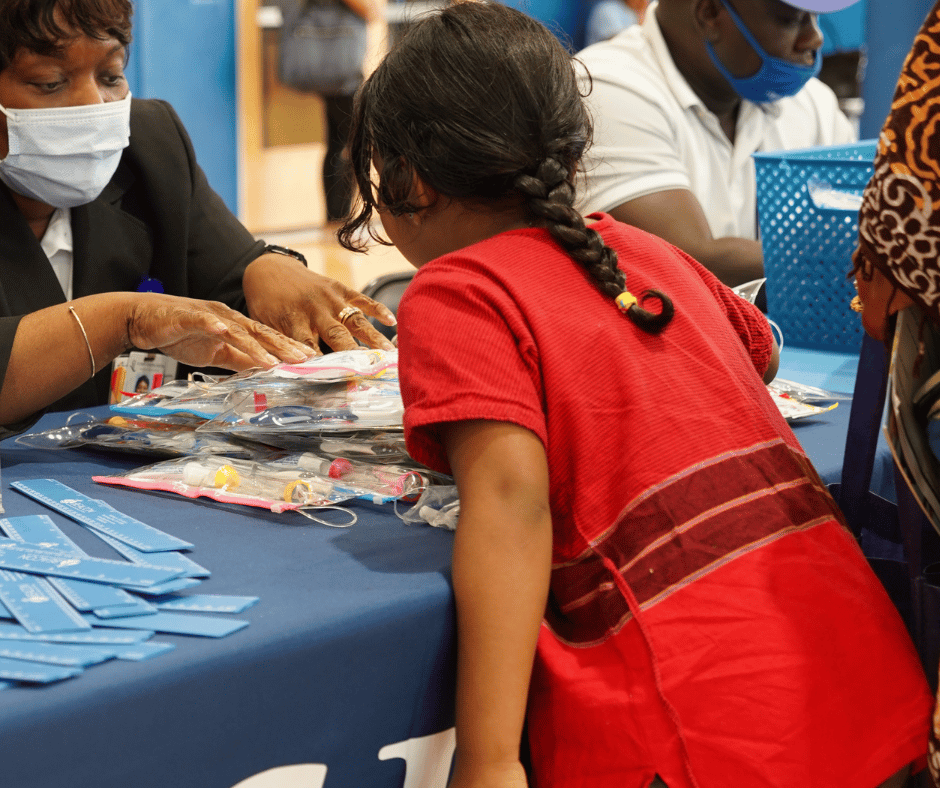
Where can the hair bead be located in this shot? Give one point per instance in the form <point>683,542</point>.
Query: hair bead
<point>625,300</point>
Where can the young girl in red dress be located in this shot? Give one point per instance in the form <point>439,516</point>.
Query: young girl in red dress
<point>646,565</point>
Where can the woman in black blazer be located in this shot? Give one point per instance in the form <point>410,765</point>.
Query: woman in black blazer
<point>112,238</point>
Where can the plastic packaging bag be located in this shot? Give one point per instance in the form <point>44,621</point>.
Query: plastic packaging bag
<point>438,506</point>
<point>343,365</point>
<point>292,482</point>
<point>799,401</point>
<point>309,408</point>
<point>356,388</point>
<point>170,436</point>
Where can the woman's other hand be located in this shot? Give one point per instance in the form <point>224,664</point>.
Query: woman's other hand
<point>208,334</point>
<point>288,296</point>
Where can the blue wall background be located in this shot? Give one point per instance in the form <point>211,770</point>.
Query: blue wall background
<point>891,26</point>
<point>184,52</point>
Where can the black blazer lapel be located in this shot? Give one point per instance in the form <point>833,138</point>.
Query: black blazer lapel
<point>27,281</point>
<point>113,250</point>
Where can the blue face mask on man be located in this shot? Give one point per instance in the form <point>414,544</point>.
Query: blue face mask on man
<point>775,79</point>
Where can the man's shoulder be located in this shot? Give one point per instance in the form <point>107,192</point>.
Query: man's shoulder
<point>614,59</point>
<point>625,70</point>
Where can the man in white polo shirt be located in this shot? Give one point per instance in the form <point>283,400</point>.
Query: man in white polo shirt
<point>682,101</point>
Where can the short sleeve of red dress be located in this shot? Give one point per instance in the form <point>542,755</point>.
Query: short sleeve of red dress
<point>477,358</point>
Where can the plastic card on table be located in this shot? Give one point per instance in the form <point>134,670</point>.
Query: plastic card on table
<point>32,560</point>
<point>83,595</point>
<point>138,608</point>
<point>798,401</point>
<point>36,605</point>
<point>169,587</point>
<point>11,631</point>
<point>207,603</point>
<point>174,560</point>
<point>176,624</point>
<point>35,672</point>
<point>99,516</point>
<point>58,653</point>
<point>142,651</point>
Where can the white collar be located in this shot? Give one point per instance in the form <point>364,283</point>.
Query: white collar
<point>58,235</point>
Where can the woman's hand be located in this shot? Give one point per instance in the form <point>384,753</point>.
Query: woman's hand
<point>288,296</point>
<point>208,334</point>
<point>56,349</point>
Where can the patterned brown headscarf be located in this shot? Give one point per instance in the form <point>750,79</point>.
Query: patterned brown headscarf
<point>899,221</point>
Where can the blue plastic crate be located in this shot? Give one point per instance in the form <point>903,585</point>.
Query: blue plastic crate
<point>807,249</point>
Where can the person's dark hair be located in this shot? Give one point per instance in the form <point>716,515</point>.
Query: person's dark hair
<point>42,25</point>
<point>482,103</point>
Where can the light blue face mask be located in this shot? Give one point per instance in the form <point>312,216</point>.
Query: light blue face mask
<point>65,156</point>
<point>775,79</point>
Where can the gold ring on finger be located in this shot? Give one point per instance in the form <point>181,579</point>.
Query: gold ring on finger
<point>347,312</point>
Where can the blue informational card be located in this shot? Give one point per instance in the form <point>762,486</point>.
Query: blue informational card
<point>58,653</point>
<point>176,623</point>
<point>36,672</point>
<point>172,559</point>
<point>35,560</point>
<point>128,637</point>
<point>99,516</point>
<point>138,608</point>
<point>41,531</point>
<point>206,603</point>
<point>143,651</point>
<point>36,605</point>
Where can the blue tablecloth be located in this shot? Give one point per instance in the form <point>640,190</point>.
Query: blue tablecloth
<point>350,649</point>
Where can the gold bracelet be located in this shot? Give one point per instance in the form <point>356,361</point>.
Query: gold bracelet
<point>91,355</point>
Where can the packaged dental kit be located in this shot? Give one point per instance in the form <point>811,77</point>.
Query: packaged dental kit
<point>292,482</point>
